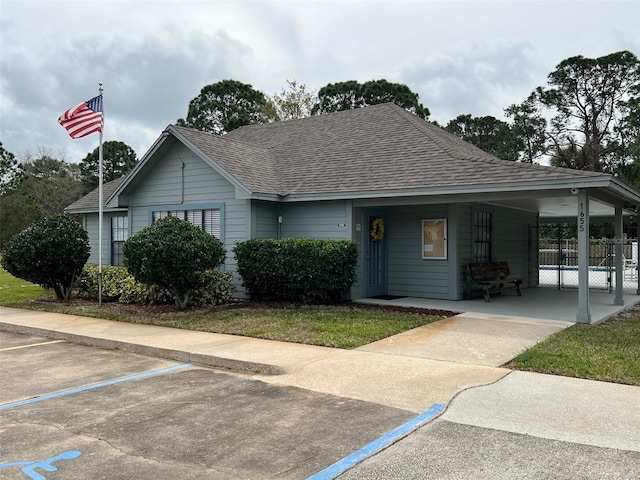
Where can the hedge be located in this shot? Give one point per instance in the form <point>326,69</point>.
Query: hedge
<point>214,287</point>
<point>297,269</point>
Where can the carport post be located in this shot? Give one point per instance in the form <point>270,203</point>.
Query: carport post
<point>618,257</point>
<point>584,315</point>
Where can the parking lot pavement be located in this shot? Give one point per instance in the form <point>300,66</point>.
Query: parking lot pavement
<point>445,450</point>
<point>526,425</point>
<point>82,412</point>
<point>33,365</point>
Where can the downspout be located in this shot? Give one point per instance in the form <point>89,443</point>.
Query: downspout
<point>182,182</point>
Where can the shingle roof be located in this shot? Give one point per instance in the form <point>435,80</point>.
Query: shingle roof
<point>251,165</point>
<point>373,149</point>
<point>376,148</point>
<point>90,201</point>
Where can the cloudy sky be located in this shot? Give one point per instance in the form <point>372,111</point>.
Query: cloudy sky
<point>153,57</point>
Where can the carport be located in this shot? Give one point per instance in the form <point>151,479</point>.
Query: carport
<point>595,199</point>
<point>543,303</point>
<point>567,196</point>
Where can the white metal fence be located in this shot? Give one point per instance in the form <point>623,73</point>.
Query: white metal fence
<point>558,263</point>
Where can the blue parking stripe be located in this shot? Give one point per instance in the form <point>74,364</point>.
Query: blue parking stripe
<point>377,445</point>
<point>42,398</point>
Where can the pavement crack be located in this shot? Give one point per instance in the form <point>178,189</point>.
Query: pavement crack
<point>134,455</point>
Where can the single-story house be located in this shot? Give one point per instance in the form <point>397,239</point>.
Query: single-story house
<point>420,202</point>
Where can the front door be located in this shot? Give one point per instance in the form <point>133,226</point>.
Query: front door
<point>375,239</point>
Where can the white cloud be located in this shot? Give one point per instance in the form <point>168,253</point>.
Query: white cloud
<point>480,80</point>
<point>153,57</point>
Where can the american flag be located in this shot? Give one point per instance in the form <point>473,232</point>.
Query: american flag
<point>83,119</point>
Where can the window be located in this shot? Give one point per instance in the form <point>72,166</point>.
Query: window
<point>207,219</point>
<point>119,234</point>
<point>481,236</point>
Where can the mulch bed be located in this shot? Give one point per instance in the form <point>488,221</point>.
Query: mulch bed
<point>622,316</point>
<point>139,309</point>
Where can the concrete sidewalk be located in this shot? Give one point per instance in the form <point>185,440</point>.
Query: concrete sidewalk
<point>411,371</point>
<point>405,382</point>
<point>601,414</point>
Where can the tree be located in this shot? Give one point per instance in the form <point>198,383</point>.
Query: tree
<point>487,133</point>
<point>10,171</point>
<point>172,253</point>
<point>225,106</point>
<point>53,183</point>
<point>529,128</point>
<point>12,215</point>
<point>118,159</point>
<point>590,101</point>
<point>296,102</point>
<point>629,145</point>
<point>50,253</point>
<point>47,186</point>
<point>349,95</point>
<point>17,212</point>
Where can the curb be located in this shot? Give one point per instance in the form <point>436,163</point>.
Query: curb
<point>212,361</point>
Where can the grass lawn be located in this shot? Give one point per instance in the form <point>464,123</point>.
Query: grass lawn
<point>13,289</point>
<point>344,326</point>
<point>607,352</point>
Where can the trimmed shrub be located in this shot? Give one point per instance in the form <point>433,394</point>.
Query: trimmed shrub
<point>171,253</point>
<point>113,279</point>
<point>214,287</point>
<point>297,269</point>
<point>51,253</point>
<point>132,291</point>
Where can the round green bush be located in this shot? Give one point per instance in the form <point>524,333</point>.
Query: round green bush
<point>51,253</point>
<point>171,253</point>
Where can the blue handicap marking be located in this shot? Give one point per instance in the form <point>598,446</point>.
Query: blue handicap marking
<point>29,468</point>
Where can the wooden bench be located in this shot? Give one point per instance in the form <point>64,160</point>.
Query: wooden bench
<point>492,277</point>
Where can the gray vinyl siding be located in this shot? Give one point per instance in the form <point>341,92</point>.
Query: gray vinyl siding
<point>90,223</point>
<point>408,273</point>
<point>91,226</point>
<point>465,244</point>
<point>320,220</point>
<point>511,240</point>
<point>359,235</point>
<point>202,185</point>
<point>265,219</point>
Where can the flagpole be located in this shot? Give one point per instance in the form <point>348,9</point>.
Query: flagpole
<point>100,206</point>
